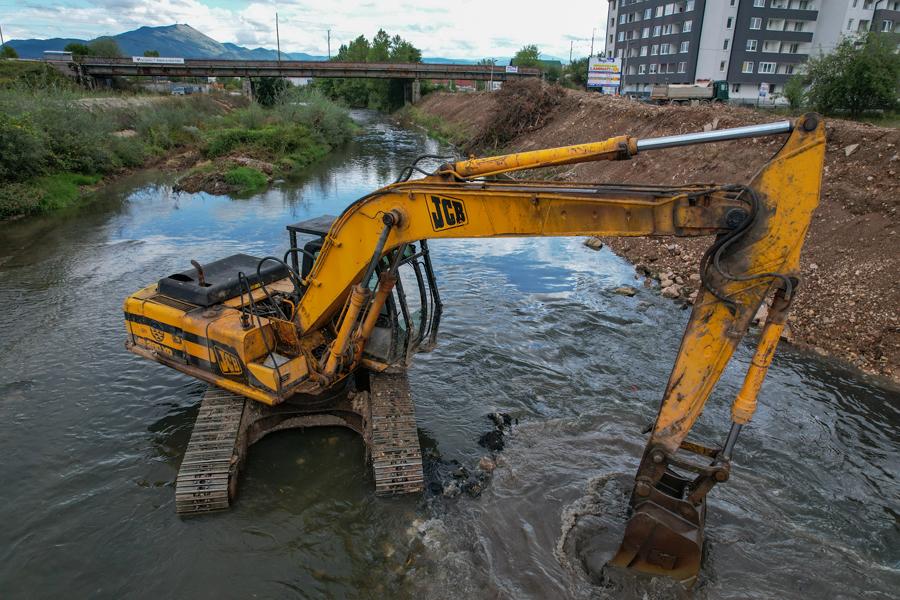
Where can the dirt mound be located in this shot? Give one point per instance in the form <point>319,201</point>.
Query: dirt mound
<point>848,302</point>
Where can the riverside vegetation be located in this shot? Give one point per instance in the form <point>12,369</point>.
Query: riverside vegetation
<point>55,138</point>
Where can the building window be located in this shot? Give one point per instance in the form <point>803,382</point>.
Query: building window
<point>688,25</point>
<point>654,49</point>
<point>725,44</point>
<point>682,67</point>
<point>648,13</point>
<point>798,26</point>
<point>659,11</point>
<point>621,36</point>
<point>684,47</point>
<point>766,67</point>
<point>643,50</point>
<point>653,69</point>
<point>667,29</point>
<point>751,45</point>
<point>867,4</point>
<point>747,67</point>
<point>755,23</point>
<point>759,3</point>
<point>670,8</point>
<point>621,19</point>
<point>850,25</point>
<point>656,31</point>
<point>689,5</point>
<point>729,22</point>
<point>735,88</point>
<point>645,33</point>
<point>789,69</point>
<point>722,66</point>
<point>664,49</point>
<point>887,26</point>
<point>642,69</point>
<point>793,48</point>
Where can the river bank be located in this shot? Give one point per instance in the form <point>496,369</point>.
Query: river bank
<point>847,306</point>
<point>57,144</point>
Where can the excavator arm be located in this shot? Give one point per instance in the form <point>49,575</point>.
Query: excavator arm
<point>759,227</point>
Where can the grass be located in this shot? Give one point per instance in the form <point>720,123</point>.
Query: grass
<point>44,194</point>
<point>436,127</point>
<point>247,179</point>
<point>49,137</point>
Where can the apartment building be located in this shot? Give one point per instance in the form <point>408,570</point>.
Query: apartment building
<point>746,42</point>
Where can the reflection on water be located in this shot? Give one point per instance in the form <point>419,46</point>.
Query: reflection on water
<point>92,436</point>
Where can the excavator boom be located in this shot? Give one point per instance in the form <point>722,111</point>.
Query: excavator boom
<point>340,301</point>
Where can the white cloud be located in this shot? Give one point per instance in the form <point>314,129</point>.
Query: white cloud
<point>460,29</point>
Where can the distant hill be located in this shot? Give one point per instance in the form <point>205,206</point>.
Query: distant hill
<point>172,40</point>
<point>183,41</point>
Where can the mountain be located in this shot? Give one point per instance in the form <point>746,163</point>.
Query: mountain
<point>183,41</point>
<point>173,40</point>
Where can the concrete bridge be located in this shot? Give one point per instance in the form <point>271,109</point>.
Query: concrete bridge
<point>90,67</point>
<point>108,67</point>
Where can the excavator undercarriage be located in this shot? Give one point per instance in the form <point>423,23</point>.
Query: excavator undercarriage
<point>322,334</point>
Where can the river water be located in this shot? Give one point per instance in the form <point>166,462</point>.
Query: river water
<point>91,436</point>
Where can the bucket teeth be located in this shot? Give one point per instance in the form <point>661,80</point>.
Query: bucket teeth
<point>206,470</point>
<point>394,439</point>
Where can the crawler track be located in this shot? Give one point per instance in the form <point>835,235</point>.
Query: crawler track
<point>394,441</point>
<point>210,462</point>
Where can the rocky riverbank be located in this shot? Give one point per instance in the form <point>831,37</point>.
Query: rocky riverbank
<point>847,304</point>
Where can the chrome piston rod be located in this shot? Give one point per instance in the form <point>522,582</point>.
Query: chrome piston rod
<point>721,135</point>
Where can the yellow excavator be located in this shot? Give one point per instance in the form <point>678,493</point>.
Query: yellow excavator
<point>322,334</point>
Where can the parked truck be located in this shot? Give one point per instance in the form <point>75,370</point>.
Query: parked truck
<point>714,91</point>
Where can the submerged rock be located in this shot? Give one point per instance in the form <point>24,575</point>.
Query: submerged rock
<point>625,290</point>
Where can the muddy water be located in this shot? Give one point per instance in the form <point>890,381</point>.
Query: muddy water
<point>91,437</point>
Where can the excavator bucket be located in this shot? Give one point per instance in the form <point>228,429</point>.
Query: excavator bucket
<point>664,535</point>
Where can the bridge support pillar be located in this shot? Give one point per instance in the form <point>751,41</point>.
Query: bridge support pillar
<point>247,87</point>
<point>416,91</point>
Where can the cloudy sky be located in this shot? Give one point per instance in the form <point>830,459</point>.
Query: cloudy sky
<point>456,29</point>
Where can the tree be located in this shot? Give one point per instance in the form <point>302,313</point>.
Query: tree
<point>528,56</point>
<point>576,73</point>
<point>8,52</point>
<point>77,49</point>
<point>795,91</point>
<point>154,53</point>
<point>269,90</point>
<point>105,48</point>
<point>861,74</point>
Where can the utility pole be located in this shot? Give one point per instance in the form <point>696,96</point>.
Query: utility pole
<point>491,84</point>
<point>593,33</point>
<point>277,37</point>
<point>1,37</point>
<point>329,44</point>
<point>571,42</point>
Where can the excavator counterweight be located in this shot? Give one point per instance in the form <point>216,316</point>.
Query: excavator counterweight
<point>322,334</point>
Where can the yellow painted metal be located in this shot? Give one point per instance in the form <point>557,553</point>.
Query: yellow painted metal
<point>745,402</point>
<point>358,298</point>
<point>788,189</point>
<point>491,209</point>
<point>386,282</point>
<point>621,147</point>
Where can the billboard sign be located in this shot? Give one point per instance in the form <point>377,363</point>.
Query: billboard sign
<point>157,60</point>
<point>512,69</point>
<point>605,73</point>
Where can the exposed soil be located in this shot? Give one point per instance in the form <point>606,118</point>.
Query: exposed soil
<point>848,305</point>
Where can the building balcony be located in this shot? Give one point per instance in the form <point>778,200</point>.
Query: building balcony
<point>794,14</point>
<point>780,35</point>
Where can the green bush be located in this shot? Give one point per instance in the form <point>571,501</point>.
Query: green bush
<point>22,148</point>
<point>269,142</point>
<point>860,75</point>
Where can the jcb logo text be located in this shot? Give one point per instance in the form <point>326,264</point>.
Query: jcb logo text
<point>447,213</point>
